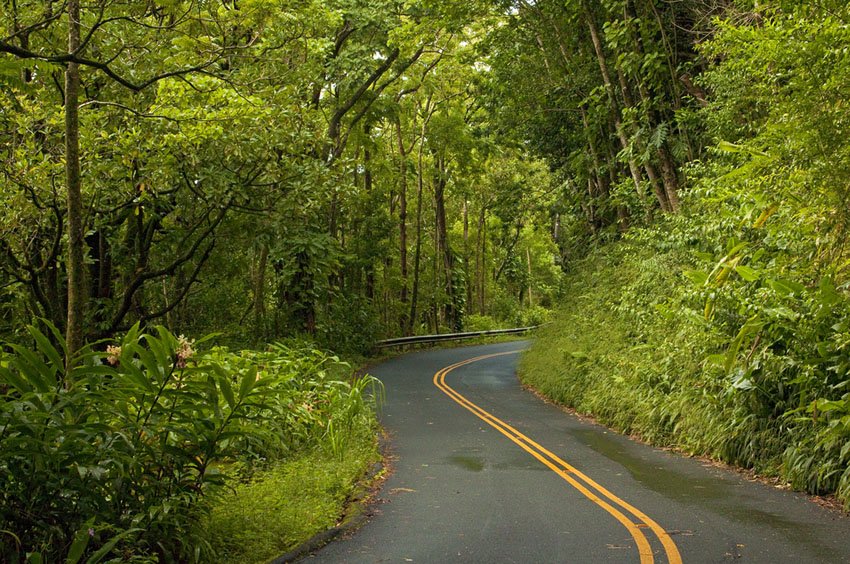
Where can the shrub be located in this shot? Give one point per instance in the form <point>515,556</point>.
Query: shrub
<point>735,359</point>
<point>117,457</point>
<point>477,322</point>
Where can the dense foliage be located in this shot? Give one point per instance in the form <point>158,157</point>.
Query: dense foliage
<point>258,169</point>
<point>724,330</point>
<point>346,170</point>
<point>262,169</point>
<point>121,461</point>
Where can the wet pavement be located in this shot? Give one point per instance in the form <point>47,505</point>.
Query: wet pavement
<point>463,491</point>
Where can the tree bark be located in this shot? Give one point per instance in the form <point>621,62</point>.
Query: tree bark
<point>444,252</point>
<point>73,180</point>
<point>260,292</point>
<point>417,255</point>
<point>612,95</point>
<point>480,264</point>
<point>402,226</point>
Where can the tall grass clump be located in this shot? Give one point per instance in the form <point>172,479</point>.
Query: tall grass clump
<point>120,458</point>
<point>714,337</point>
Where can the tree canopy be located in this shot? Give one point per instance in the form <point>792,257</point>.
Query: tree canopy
<point>348,170</point>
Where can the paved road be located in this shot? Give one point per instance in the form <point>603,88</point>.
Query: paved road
<point>486,472</point>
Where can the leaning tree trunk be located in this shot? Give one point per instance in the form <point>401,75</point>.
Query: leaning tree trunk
<point>637,177</point>
<point>669,174</point>
<point>76,240</point>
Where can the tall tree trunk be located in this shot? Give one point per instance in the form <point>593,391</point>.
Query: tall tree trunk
<point>260,292</point>
<point>588,208</point>
<point>437,312</point>
<point>417,254</point>
<point>480,270</point>
<point>402,227</point>
<point>76,240</point>
<point>444,252</point>
<point>601,182</point>
<point>657,188</point>
<point>466,253</point>
<point>612,95</point>
<point>367,185</point>
<point>428,111</point>
<point>669,175</point>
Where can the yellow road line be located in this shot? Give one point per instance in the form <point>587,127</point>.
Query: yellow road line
<point>568,472</point>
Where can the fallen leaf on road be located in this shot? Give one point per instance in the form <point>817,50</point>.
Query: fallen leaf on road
<point>400,490</point>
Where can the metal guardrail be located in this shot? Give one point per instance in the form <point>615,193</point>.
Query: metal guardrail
<point>400,341</point>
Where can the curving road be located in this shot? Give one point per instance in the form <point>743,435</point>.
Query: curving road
<point>484,471</point>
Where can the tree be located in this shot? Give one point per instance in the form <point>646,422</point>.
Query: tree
<point>183,34</point>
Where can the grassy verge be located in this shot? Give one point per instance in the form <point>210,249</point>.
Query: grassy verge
<point>284,506</point>
<point>606,355</point>
<point>631,348</point>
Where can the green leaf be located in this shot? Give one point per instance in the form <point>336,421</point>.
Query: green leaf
<point>718,360</point>
<point>81,541</point>
<point>698,277</point>
<point>753,325</point>
<point>747,273</point>
<point>741,381</point>
<point>206,338</point>
<point>10,377</point>
<point>35,370</point>
<point>786,287</point>
<point>224,385</point>
<point>247,384</point>
<point>728,147</point>
<point>129,368</point>
<point>151,364</point>
<point>826,406</point>
<point>46,348</point>
<point>110,544</point>
<point>161,352</point>
<point>827,295</point>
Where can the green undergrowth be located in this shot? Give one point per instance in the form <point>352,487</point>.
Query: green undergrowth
<point>280,508</point>
<point>131,455</point>
<point>669,343</point>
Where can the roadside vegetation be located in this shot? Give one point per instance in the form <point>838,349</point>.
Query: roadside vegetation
<point>723,330</point>
<point>153,450</point>
<point>318,174</point>
<point>301,177</point>
<point>280,508</point>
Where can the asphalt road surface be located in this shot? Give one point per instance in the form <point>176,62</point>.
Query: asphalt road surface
<point>484,471</point>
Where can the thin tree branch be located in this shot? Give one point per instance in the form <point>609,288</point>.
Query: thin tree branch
<point>103,67</point>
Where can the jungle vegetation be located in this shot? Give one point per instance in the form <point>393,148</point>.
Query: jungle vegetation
<point>669,177</point>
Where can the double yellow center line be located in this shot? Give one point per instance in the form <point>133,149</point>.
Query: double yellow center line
<point>634,520</point>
